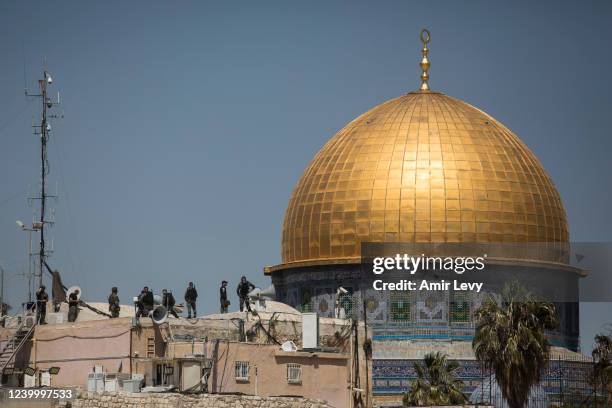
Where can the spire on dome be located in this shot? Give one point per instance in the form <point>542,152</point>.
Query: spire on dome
<point>425,37</point>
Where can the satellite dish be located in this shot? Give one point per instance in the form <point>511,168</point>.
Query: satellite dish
<point>289,346</point>
<point>71,290</point>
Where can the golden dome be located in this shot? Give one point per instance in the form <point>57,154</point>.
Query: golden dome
<point>423,167</point>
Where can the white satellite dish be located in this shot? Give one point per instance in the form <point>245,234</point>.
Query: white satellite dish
<point>289,346</point>
<point>71,290</point>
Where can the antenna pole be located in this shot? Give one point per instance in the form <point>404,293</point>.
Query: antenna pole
<point>44,132</point>
<point>43,167</point>
<point>1,292</point>
<point>30,265</point>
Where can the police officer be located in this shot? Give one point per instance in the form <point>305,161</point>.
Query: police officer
<point>191,295</point>
<point>113,303</point>
<point>41,305</point>
<point>223,297</point>
<point>145,302</point>
<point>73,306</point>
<point>169,302</point>
<point>243,289</point>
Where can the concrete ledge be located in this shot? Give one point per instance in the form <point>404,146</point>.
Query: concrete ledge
<point>312,354</point>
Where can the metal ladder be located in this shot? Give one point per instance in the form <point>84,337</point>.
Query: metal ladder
<point>16,342</point>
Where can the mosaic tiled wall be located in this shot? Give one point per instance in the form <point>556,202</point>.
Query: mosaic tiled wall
<point>561,377</point>
<point>394,315</point>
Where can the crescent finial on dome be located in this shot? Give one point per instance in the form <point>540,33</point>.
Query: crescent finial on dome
<point>425,37</point>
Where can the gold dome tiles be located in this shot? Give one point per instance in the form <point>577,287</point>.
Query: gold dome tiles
<point>423,167</point>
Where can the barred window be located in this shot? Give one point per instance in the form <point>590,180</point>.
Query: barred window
<point>242,371</point>
<point>294,373</point>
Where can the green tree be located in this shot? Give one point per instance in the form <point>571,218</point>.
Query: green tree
<point>510,339</point>
<point>436,383</point>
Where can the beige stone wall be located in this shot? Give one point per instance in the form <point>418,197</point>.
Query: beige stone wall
<point>77,348</point>
<point>113,344</point>
<point>89,400</point>
<point>324,375</point>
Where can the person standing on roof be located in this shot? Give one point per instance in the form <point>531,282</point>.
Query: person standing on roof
<point>145,302</point>
<point>73,305</point>
<point>223,297</point>
<point>191,295</point>
<point>113,303</point>
<point>41,305</point>
<point>243,289</point>
<point>169,302</point>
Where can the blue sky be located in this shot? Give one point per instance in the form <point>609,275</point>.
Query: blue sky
<point>188,123</point>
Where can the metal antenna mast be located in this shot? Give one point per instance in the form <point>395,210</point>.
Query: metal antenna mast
<point>44,131</point>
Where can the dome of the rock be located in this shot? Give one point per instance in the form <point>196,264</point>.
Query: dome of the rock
<point>424,175</point>
<point>423,167</point>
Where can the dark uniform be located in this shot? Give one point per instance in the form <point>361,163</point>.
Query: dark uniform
<point>191,294</point>
<point>41,305</point>
<point>169,302</point>
<point>145,302</point>
<point>243,289</point>
<point>113,303</point>
<point>3,311</point>
<point>73,306</point>
<point>223,297</point>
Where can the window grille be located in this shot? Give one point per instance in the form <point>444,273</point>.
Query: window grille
<point>242,371</point>
<point>294,373</point>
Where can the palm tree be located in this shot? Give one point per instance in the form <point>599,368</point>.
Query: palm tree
<point>608,372</point>
<point>602,359</point>
<point>436,383</point>
<point>510,339</point>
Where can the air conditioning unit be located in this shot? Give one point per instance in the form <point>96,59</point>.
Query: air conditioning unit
<point>100,385</point>
<point>29,381</point>
<point>91,382</point>
<point>57,318</point>
<point>45,379</point>
<point>111,383</point>
<point>131,385</point>
<point>95,382</point>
